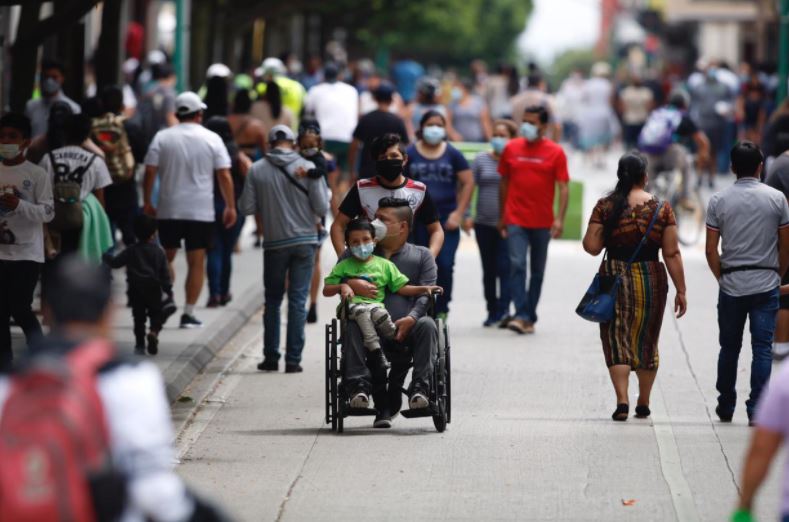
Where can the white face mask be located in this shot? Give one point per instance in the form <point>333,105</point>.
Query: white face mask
<point>9,150</point>
<point>381,229</point>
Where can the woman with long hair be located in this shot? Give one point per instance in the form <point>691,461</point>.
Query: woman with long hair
<point>248,132</point>
<point>269,108</point>
<point>619,224</point>
<point>219,264</point>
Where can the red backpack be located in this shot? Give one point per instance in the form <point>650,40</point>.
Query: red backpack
<point>54,438</point>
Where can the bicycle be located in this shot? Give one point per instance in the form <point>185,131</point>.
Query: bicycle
<point>689,209</point>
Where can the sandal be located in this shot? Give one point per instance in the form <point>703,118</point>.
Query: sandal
<point>642,412</point>
<point>621,413</point>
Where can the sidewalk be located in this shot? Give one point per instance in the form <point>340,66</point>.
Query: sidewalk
<point>184,353</point>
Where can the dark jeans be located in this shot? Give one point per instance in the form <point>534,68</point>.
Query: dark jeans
<point>527,244</point>
<point>630,134</point>
<point>19,279</point>
<point>293,264</point>
<point>445,262</point>
<point>495,269</point>
<point>420,347</point>
<point>761,310</point>
<point>145,298</point>
<point>123,220</point>
<point>219,263</point>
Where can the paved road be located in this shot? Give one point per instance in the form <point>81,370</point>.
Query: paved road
<point>531,437</point>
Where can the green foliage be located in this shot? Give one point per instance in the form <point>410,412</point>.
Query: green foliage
<point>571,60</point>
<point>445,31</point>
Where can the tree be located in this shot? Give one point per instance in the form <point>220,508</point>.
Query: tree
<point>571,60</point>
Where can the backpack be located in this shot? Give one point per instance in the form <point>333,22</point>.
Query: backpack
<point>67,194</point>
<point>54,441</point>
<point>658,132</point>
<point>109,133</point>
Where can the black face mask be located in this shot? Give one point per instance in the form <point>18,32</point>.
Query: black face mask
<point>389,169</point>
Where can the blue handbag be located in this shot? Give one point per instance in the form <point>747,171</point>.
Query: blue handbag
<point>599,302</point>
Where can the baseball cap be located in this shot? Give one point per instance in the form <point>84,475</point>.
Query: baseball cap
<point>219,70</point>
<point>188,103</point>
<point>281,133</point>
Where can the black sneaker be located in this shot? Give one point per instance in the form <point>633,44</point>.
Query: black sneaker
<point>293,368</point>
<point>378,360</point>
<point>268,365</point>
<point>383,420</point>
<point>190,321</point>
<point>505,322</point>
<point>153,343</point>
<point>724,417</point>
<point>312,314</point>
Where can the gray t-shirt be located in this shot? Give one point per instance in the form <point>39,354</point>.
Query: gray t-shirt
<point>488,179</point>
<point>748,215</point>
<point>778,176</point>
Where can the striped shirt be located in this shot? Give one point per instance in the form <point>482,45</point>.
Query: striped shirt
<point>487,178</point>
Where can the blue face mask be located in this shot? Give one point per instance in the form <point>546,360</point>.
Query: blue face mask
<point>363,251</point>
<point>529,131</point>
<point>498,143</point>
<point>457,94</point>
<point>433,134</point>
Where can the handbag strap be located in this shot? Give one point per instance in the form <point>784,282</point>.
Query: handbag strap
<point>646,234</point>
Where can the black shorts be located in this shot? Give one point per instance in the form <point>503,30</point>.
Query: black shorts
<point>197,235</point>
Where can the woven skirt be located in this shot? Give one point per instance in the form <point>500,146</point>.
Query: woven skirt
<point>632,337</point>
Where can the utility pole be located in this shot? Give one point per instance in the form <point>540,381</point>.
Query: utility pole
<point>783,49</point>
<point>183,15</point>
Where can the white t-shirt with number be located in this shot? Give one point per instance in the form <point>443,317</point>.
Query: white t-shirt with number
<point>21,233</point>
<point>187,156</point>
<point>77,164</point>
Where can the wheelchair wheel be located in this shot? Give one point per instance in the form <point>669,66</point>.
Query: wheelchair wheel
<point>327,376</point>
<point>333,373</point>
<point>448,373</point>
<point>440,381</point>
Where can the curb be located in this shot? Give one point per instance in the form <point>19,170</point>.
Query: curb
<point>192,360</point>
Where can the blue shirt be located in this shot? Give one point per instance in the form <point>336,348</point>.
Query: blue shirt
<point>440,175</point>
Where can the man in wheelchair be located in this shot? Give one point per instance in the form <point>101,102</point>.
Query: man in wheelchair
<point>417,333</point>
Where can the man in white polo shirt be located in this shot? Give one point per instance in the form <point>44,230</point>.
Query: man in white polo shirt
<point>187,158</point>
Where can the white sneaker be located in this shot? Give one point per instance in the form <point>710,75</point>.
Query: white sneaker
<point>780,351</point>
<point>418,401</point>
<point>360,400</point>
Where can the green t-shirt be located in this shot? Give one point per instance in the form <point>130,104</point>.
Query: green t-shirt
<point>377,270</point>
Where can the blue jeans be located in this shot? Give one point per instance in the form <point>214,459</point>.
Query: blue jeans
<point>495,269</point>
<point>523,243</point>
<point>761,309</point>
<point>445,262</point>
<point>294,264</point>
<point>219,262</point>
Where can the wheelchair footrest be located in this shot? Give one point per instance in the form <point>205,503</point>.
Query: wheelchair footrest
<point>421,412</point>
<point>361,412</point>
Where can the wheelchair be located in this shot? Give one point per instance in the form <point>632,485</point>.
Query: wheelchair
<point>338,406</point>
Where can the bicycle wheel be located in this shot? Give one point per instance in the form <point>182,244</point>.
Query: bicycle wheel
<point>690,214</point>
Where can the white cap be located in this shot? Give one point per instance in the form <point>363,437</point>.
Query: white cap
<point>156,57</point>
<point>273,66</point>
<point>281,133</point>
<point>188,103</point>
<point>218,70</point>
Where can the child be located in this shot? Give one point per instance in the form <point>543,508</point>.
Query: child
<point>369,313</point>
<point>148,280</point>
<point>25,204</point>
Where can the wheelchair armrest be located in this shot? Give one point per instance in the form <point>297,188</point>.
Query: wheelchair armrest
<point>431,307</point>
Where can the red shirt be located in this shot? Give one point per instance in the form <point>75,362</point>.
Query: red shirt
<point>532,169</point>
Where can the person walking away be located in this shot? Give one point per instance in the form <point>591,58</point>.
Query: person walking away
<point>570,107</point>
<point>776,133</point>
<point>292,93</point>
<point>219,262</point>
<point>77,176</point>
<point>148,284</point>
<point>389,182</point>
<point>778,178</point>
<point>633,226</point>
<point>123,147</point>
<point>492,246</point>
<point>371,126</point>
<point>25,204</point>
<point>248,132</point>
<point>708,99</point>
<point>156,109</point>
<point>751,220</point>
<point>470,113</point>
<point>51,81</point>
<point>532,167</point>
<point>217,91</point>
<point>116,442</point>
<point>635,102</point>
<point>751,104</point>
<point>772,429</point>
<point>291,204</point>
<point>447,175</point>
<point>335,104</point>
<point>188,158</point>
<point>598,125</point>
<point>54,137</point>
